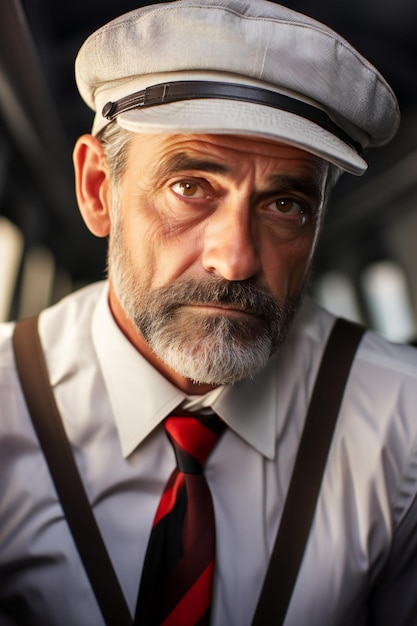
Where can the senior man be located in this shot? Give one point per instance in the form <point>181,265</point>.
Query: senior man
<point>186,383</point>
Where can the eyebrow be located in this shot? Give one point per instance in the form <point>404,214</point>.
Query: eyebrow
<point>183,161</point>
<point>305,185</point>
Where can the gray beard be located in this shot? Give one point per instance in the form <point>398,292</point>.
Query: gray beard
<point>207,348</point>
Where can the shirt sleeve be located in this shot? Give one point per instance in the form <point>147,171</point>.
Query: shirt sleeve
<point>394,597</point>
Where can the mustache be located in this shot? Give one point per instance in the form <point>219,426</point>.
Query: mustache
<point>243,295</point>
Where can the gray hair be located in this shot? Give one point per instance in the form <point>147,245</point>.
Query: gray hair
<point>115,141</point>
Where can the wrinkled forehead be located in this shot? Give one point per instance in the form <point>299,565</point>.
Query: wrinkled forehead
<point>161,156</point>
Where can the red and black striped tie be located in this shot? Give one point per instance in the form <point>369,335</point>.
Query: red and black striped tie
<point>177,575</point>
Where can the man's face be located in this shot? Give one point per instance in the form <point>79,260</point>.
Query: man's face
<point>210,245</point>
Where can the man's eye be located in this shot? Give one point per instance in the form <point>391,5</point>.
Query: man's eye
<point>187,189</point>
<point>287,206</point>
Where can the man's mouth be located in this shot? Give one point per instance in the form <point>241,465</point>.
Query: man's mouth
<point>221,308</point>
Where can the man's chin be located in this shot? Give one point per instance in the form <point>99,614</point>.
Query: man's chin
<point>214,350</point>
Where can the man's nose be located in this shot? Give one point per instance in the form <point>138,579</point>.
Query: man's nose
<point>230,243</point>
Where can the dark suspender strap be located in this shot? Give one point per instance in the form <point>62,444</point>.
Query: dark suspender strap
<point>59,456</point>
<point>307,474</point>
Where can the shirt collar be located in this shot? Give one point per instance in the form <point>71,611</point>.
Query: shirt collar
<point>141,397</point>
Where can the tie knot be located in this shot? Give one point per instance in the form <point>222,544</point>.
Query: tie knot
<point>193,438</point>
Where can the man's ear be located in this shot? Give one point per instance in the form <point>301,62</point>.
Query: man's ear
<point>92,184</point>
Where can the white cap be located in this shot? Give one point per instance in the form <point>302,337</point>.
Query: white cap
<point>247,67</point>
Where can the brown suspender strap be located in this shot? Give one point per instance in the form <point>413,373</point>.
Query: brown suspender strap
<point>59,456</point>
<point>298,511</point>
<point>307,475</point>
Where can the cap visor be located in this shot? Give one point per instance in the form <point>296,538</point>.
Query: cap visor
<point>243,118</point>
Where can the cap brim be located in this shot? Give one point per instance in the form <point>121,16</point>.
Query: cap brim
<point>243,118</point>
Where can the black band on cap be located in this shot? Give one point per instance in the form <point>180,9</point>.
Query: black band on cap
<point>165,93</point>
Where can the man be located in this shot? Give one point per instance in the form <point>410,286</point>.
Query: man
<point>211,186</point>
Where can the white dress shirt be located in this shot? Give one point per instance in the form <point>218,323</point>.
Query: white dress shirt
<point>362,550</point>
